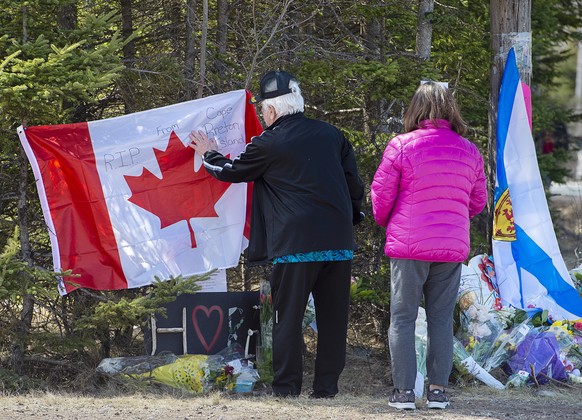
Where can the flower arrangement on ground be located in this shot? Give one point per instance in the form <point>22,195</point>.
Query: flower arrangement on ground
<point>531,347</point>
<point>227,370</point>
<point>265,349</point>
<point>483,322</point>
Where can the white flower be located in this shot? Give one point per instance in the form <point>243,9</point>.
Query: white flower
<point>472,312</point>
<point>484,313</point>
<point>479,312</point>
<point>479,330</point>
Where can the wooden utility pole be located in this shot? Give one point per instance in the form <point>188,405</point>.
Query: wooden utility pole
<point>510,28</point>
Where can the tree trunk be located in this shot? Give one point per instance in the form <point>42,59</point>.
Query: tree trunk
<point>223,10</point>
<point>67,18</point>
<point>203,40</point>
<point>510,27</point>
<point>424,29</point>
<point>24,322</point>
<point>67,21</point>
<point>190,48</point>
<point>126,32</point>
<point>128,49</point>
<point>373,39</point>
<point>22,327</point>
<point>375,42</point>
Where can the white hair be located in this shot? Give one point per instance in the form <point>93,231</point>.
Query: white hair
<point>290,103</point>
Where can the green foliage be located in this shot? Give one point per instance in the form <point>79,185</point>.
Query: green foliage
<point>18,282</point>
<point>41,82</point>
<point>540,318</point>
<point>51,343</point>
<point>478,236</point>
<point>552,166</point>
<point>11,267</point>
<point>10,382</point>
<point>554,24</point>
<point>17,278</point>
<point>461,52</point>
<point>371,290</point>
<point>117,312</point>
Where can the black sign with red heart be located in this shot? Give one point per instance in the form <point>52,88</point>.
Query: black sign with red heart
<point>213,322</point>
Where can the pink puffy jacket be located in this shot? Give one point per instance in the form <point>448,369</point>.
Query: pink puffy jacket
<point>429,184</point>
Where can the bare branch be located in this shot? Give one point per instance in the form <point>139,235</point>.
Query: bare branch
<point>274,30</point>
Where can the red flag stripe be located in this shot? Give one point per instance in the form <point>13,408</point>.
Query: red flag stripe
<point>77,206</point>
<point>253,127</point>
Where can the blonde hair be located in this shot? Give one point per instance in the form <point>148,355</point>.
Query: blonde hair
<point>433,102</point>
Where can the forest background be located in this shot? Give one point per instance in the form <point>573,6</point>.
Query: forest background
<point>358,63</point>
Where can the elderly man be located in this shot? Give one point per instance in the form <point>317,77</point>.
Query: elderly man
<point>306,198</point>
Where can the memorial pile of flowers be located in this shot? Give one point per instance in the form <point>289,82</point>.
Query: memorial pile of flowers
<point>228,370</point>
<point>530,348</point>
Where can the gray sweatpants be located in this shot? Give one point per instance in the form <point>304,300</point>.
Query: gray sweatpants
<point>439,284</point>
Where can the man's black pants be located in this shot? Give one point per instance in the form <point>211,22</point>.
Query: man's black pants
<point>291,283</point>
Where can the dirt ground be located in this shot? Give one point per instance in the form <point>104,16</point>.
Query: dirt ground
<point>478,403</point>
<point>364,389</point>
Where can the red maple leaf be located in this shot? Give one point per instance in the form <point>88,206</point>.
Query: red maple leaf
<point>181,193</point>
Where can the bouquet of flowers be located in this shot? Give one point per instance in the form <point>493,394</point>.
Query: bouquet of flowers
<point>505,344</point>
<point>483,322</point>
<point>228,370</point>
<point>309,316</point>
<point>480,328</point>
<point>220,376</point>
<point>421,337</point>
<point>547,352</point>
<point>463,361</point>
<point>569,337</point>
<point>185,372</point>
<point>266,316</point>
<point>265,349</point>
<point>486,338</point>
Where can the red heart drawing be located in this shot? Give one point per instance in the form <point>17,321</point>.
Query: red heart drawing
<point>207,311</point>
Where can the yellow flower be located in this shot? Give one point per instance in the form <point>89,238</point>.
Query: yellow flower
<point>559,330</point>
<point>470,344</point>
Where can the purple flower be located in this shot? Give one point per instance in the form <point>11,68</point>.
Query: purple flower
<point>229,370</point>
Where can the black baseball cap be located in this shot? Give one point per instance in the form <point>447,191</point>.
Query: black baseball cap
<point>273,84</point>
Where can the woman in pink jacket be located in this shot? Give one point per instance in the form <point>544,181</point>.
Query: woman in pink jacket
<point>430,182</point>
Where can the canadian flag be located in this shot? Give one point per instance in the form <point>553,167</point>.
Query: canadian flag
<point>126,200</point>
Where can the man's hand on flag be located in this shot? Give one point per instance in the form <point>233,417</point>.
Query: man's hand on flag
<point>200,142</point>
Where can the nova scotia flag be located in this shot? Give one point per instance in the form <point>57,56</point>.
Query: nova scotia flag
<point>531,273</point>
